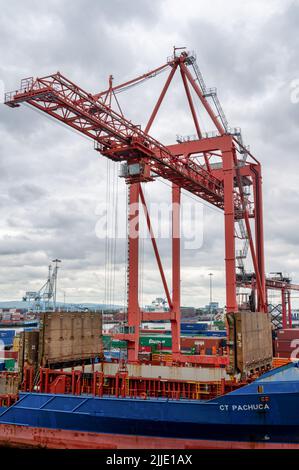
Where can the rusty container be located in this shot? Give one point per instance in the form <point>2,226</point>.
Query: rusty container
<point>69,337</point>
<point>250,341</point>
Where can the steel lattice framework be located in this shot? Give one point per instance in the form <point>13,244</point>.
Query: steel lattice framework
<point>187,165</point>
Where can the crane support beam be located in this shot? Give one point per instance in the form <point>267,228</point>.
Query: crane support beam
<point>176,269</point>
<point>229,224</point>
<point>138,79</point>
<point>133,260</point>
<point>159,102</point>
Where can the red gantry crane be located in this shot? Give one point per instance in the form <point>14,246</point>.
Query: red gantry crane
<point>188,164</point>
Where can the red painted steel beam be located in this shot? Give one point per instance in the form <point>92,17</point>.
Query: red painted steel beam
<point>193,112</point>
<point>207,144</point>
<point>284,308</point>
<point>140,78</point>
<point>272,284</point>
<point>229,227</point>
<point>257,255</point>
<point>248,170</point>
<point>133,257</point>
<point>156,316</point>
<point>176,268</point>
<point>259,235</point>
<point>289,309</point>
<point>160,99</point>
<point>191,105</point>
<point>199,359</point>
<point>259,279</point>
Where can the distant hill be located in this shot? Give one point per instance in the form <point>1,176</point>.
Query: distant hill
<point>24,304</point>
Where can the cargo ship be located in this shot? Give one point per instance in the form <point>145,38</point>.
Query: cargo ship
<point>258,415</point>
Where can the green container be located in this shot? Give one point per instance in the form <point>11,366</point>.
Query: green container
<point>151,340</point>
<point>106,341</point>
<point>10,364</point>
<point>116,343</point>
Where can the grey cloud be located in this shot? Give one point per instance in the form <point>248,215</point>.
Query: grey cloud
<point>26,193</point>
<point>52,180</point>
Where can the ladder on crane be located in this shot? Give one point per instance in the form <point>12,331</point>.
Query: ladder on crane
<point>209,92</point>
<point>241,254</point>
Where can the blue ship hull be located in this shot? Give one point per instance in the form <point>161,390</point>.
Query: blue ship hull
<point>263,413</point>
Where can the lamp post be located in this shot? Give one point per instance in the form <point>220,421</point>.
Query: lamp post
<point>210,274</point>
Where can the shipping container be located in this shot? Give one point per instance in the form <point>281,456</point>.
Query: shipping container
<point>155,331</point>
<point>284,354</point>
<point>6,343</point>
<point>10,364</point>
<point>6,316</point>
<point>8,354</point>
<point>144,356</point>
<point>146,348</point>
<point>151,340</point>
<point>216,334</point>
<point>250,341</point>
<point>202,341</point>
<point>106,341</point>
<point>28,349</point>
<point>116,343</point>
<point>7,333</point>
<point>289,345</point>
<point>194,326</point>
<point>16,343</point>
<point>288,334</point>
<point>69,337</point>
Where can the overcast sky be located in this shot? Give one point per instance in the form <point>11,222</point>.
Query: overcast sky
<point>53,184</point>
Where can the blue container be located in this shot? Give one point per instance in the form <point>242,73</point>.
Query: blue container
<point>194,326</point>
<point>7,333</point>
<point>6,342</point>
<point>216,334</point>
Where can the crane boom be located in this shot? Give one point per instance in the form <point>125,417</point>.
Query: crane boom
<point>116,137</point>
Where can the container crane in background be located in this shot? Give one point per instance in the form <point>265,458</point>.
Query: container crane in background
<point>45,298</point>
<point>215,167</point>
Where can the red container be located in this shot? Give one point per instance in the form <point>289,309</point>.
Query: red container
<point>288,334</point>
<point>284,354</point>
<point>289,345</point>
<point>9,354</point>
<point>145,349</point>
<point>187,342</point>
<point>200,342</point>
<point>156,330</point>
